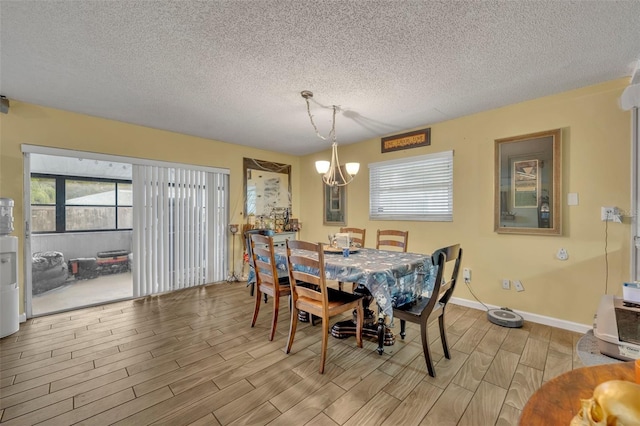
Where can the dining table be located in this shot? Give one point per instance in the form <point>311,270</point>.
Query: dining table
<point>390,278</point>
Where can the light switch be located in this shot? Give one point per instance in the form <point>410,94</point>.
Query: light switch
<point>572,198</point>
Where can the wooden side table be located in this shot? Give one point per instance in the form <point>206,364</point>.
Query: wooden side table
<point>558,400</point>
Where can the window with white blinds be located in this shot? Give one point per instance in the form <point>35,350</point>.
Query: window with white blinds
<point>179,218</point>
<point>414,188</point>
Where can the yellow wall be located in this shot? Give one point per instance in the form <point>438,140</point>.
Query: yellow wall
<point>596,159</point>
<point>35,125</point>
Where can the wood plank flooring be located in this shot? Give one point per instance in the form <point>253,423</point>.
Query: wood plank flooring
<point>191,358</point>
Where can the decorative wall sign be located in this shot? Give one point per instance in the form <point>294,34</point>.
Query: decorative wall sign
<point>406,140</point>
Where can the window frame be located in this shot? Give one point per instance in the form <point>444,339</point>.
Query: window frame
<point>427,174</point>
<point>61,205</point>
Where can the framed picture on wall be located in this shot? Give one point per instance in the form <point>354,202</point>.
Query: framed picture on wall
<point>528,176</point>
<point>335,205</point>
<point>525,184</point>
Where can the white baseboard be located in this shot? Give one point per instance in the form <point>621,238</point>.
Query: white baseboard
<point>22,318</point>
<point>540,319</point>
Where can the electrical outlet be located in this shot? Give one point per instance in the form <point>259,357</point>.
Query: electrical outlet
<point>562,254</point>
<point>466,274</point>
<point>608,214</point>
<point>518,285</point>
<point>506,284</point>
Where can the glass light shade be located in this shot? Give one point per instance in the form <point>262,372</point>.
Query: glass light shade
<point>322,166</point>
<point>352,168</point>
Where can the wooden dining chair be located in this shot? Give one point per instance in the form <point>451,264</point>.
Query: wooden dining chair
<point>426,310</point>
<point>246,227</point>
<point>311,294</point>
<point>247,237</point>
<point>390,238</point>
<point>267,281</point>
<point>357,237</point>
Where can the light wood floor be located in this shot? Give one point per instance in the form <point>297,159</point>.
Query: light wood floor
<point>191,358</point>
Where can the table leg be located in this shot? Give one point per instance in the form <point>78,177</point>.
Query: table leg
<point>381,333</point>
<point>372,328</point>
<point>367,298</point>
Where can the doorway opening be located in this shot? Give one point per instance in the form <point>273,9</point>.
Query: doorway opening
<point>102,228</point>
<point>81,232</point>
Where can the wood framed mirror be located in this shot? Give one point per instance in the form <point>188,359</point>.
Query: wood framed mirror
<point>528,176</point>
<point>267,187</point>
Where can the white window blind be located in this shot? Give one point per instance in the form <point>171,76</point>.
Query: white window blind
<point>415,188</point>
<point>179,232</point>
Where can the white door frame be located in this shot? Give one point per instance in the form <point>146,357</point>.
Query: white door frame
<point>35,149</point>
<point>26,249</point>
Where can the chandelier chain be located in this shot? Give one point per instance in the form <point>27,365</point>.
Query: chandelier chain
<point>332,133</point>
<point>331,171</point>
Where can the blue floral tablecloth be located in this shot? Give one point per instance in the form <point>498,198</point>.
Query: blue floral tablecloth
<point>392,278</point>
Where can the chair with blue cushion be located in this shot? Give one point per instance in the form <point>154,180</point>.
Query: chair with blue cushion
<point>425,310</point>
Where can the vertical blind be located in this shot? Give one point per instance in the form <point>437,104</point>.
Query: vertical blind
<point>179,218</point>
<point>415,188</point>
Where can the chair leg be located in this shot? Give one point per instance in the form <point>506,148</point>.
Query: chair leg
<point>443,337</point>
<point>359,323</point>
<point>325,342</point>
<point>274,320</point>
<point>292,327</point>
<point>256,309</point>
<point>425,348</point>
<point>403,324</point>
<point>252,287</point>
<point>313,319</point>
<point>340,285</point>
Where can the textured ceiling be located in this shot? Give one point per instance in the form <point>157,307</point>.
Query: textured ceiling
<point>233,70</point>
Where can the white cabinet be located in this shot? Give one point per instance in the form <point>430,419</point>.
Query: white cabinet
<point>8,285</point>
<point>280,238</point>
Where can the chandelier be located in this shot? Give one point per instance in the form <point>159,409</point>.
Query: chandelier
<point>332,173</point>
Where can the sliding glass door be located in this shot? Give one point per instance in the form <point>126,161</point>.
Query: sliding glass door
<point>177,214</point>
<point>105,228</point>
